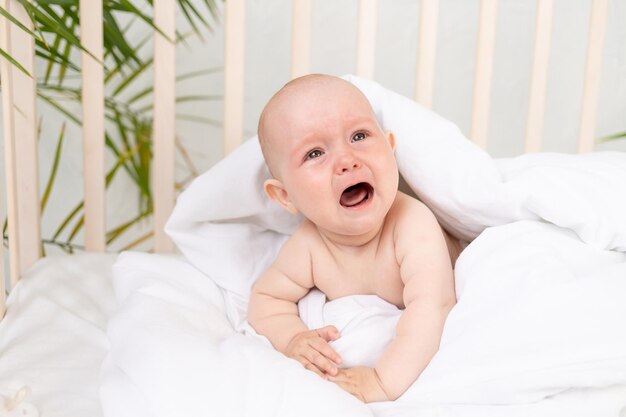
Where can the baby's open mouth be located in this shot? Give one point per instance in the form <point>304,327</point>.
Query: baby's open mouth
<point>356,194</point>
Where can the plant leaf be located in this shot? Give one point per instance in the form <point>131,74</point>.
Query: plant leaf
<point>53,171</point>
<point>14,62</point>
<point>68,219</point>
<point>609,138</point>
<point>131,7</point>
<point>52,24</point>
<point>115,233</point>
<point>137,241</point>
<point>16,22</point>
<point>60,108</point>
<point>130,78</point>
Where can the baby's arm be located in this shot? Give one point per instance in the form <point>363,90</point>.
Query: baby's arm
<point>273,311</point>
<point>426,271</point>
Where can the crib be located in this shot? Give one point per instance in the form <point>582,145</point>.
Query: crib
<point>56,278</point>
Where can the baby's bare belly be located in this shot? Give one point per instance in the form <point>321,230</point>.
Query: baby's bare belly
<point>370,274</point>
<point>378,278</point>
<point>388,286</point>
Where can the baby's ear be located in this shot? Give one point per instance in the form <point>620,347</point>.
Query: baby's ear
<point>391,138</point>
<point>276,191</point>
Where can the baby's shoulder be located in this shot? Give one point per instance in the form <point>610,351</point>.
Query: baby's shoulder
<point>305,235</point>
<point>406,208</point>
<point>411,220</point>
<point>294,257</point>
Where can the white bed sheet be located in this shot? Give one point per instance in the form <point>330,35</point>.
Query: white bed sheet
<point>53,340</point>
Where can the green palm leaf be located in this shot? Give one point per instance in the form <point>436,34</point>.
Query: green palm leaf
<point>14,62</point>
<point>56,28</point>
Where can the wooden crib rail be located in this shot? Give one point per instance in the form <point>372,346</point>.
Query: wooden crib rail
<point>20,133</point>
<point>20,140</point>
<point>19,118</point>
<point>427,44</point>
<point>483,72</point>
<point>593,66</point>
<point>366,38</point>
<point>539,76</point>
<point>164,121</point>
<point>93,123</point>
<point>234,50</point>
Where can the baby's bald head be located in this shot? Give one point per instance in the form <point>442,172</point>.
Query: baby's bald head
<point>297,95</point>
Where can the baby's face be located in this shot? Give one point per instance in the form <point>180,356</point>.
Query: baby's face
<point>330,156</point>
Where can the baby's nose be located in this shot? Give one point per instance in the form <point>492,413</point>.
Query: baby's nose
<point>347,162</point>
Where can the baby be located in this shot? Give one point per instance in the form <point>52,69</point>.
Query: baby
<point>331,161</point>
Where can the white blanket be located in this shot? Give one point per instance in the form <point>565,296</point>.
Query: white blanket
<point>538,327</point>
<point>52,339</point>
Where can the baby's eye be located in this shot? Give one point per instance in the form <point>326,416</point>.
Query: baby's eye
<point>359,136</point>
<point>314,154</point>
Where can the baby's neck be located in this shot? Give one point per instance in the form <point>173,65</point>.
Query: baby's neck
<point>351,242</point>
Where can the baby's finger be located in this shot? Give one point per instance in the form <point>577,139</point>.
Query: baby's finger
<point>324,348</point>
<point>328,333</point>
<point>350,388</point>
<point>313,368</point>
<point>309,366</point>
<point>321,361</point>
<point>342,377</point>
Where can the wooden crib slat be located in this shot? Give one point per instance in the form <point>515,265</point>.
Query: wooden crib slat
<point>20,144</point>
<point>366,38</point>
<point>539,76</point>
<point>92,75</point>
<point>300,38</point>
<point>2,285</point>
<point>427,46</point>
<point>484,68</point>
<point>164,124</point>
<point>2,277</point>
<point>593,67</point>
<point>234,49</point>
<point>7,130</point>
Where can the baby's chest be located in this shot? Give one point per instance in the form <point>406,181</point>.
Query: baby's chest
<point>377,275</point>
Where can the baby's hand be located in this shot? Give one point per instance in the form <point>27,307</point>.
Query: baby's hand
<point>361,382</point>
<point>312,350</point>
